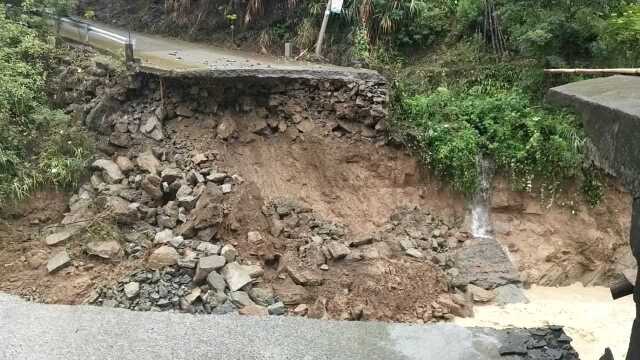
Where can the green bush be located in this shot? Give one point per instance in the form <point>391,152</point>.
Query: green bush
<point>621,36</point>
<point>449,130</point>
<point>38,145</point>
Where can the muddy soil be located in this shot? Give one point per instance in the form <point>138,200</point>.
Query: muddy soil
<point>23,255</point>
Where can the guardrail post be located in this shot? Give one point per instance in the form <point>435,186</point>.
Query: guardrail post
<point>86,33</point>
<point>128,52</point>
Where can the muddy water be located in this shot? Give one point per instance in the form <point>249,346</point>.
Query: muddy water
<point>589,315</point>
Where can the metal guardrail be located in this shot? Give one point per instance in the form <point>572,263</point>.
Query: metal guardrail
<point>85,30</point>
<point>88,28</point>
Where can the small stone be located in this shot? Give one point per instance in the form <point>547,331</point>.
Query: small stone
<point>301,310</point>
<point>407,244</point>
<point>277,309</point>
<point>304,277</point>
<point>120,139</point>
<point>199,158</point>
<point>253,310</point>
<point>226,188</point>
<point>240,299</point>
<point>324,267</point>
<point>125,164</point>
<point>163,256</point>
<point>415,253</point>
<point>184,111</point>
<point>209,249</point>
<point>216,281</point>
<point>229,253</point>
<point>338,250</point>
<point>226,128</point>
<point>261,296</point>
<point>193,295</point>
<point>479,294</point>
<point>217,177</point>
<point>152,185</point>
<point>110,170</point>
<point>177,241</point>
<point>254,237</point>
<point>163,236</point>
<point>148,162</point>
<point>105,249</point>
<point>206,265</point>
<point>236,276</point>
<point>171,174</point>
<point>58,261</point>
<point>59,237</point>
<point>132,289</point>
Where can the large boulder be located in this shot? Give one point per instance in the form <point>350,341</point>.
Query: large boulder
<point>208,213</point>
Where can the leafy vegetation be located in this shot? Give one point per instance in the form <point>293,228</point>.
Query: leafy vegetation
<point>451,129</point>
<point>38,145</point>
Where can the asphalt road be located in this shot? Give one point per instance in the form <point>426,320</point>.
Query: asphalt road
<point>56,332</point>
<point>163,54</point>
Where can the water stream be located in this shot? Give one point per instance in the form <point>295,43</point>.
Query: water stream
<point>480,216</point>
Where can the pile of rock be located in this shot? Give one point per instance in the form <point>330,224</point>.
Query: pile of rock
<point>213,287</point>
<point>536,343</point>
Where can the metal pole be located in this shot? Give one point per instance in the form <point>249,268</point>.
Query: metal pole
<point>323,29</point>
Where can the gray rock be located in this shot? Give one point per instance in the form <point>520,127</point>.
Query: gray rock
<point>124,164</point>
<point>240,299</point>
<point>60,236</point>
<point>184,111</point>
<point>482,262</point>
<point>304,277</point>
<point>177,241</point>
<point>195,178</point>
<point>216,281</point>
<point>407,244</point>
<point>206,265</point>
<point>120,139</point>
<point>479,294</point>
<point>224,309</point>
<point>261,296</point>
<point>509,294</point>
<point>152,185</point>
<point>236,275</point>
<point>152,128</point>
<point>199,158</point>
<point>226,128</point>
<point>111,171</point>
<point>226,188</point>
<point>132,289</point>
<point>277,309</point>
<point>229,252</point>
<point>58,261</point>
<point>148,162</point>
<point>217,177</point>
<point>337,249</point>
<point>171,174</point>
<point>208,248</point>
<point>105,249</point>
<point>163,256</point>
<point>415,253</point>
<point>163,236</point>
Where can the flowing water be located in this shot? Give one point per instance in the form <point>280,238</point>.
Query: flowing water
<point>480,216</point>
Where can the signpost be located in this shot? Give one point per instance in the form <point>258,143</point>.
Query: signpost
<point>333,6</point>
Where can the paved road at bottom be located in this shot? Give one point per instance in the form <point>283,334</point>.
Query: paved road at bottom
<point>38,332</point>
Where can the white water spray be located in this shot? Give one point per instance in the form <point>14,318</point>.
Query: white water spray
<point>480,217</point>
